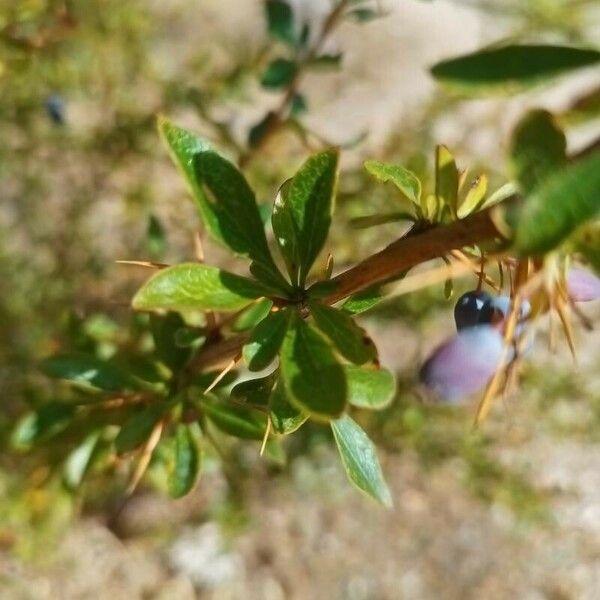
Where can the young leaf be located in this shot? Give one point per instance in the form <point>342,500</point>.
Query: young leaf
<point>302,213</point>
<point>314,380</point>
<point>558,206</point>
<point>187,460</point>
<point>406,181</point>
<point>350,340</point>
<point>538,148</point>
<point>285,417</point>
<point>138,427</point>
<point>41,424</point>
<point>197,286</point>
<point>280,21</point>
<point>266,340</point>
<point>370,388</point>
<point>513,64</point>
<point>474,197</point>
<point>88,371</point>
<point>279,73</point>
<point>78,461</point>
<point>360,459</point>
<point>235,420</point>
<point>446,178</point>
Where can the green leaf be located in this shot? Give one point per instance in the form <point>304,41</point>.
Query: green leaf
<point>156,240</point>
<point>350,340</point>
<point>280,21</point>
<point>364,15</point>
<point>374,220</point>
<point>224,199</point>
<point>187,460</point>
<point>88,371</point>
<point>138,427</point>
<point>363,301</point>
<point>360,460</point>
<point>279,73</point>
<point>79,460</point>
<point>538,148</point>
<point>558,206</point>
<point>238,421</point>
<point>302,213</point>
<point>258,131</point>
<point>253,392</point>
<point>325,61</point>
<point>474,197</point>
<point>513,64</point>
<point>298,105</point>
<point>197,286</point>
<point>41,424</point>
<point>253,315</point>
<point>406,181</point>
<point>266,340</point>
<point>229,208</point>
<point>446,178</point>
<point>314,380</point>
<point>285,417</point>
<point>164,330</point>
<point>370,388</point>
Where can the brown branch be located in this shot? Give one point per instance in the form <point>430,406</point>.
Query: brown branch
<point>399,256</point>
<point>278,116</point>
<point>412,250</point>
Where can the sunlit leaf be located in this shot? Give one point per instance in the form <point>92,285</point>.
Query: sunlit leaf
<point>224,199</point>
<point>474,197</point>
<point>406,181</point>
<point>359,458</point>
<point>197,286</point>
<point>370,388</point>
<point>302,213</point>
<point>78,461</point>
<point>446,178</point>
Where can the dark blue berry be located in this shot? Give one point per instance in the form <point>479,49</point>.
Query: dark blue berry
<point>55,107</point>
<point>473,308</point>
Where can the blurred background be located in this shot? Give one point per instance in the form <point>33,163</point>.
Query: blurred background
<point>512,511</point>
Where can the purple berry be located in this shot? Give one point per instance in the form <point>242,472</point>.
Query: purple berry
<point>463,364</point>
<point>472,308</point>
<point>582,285</point>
